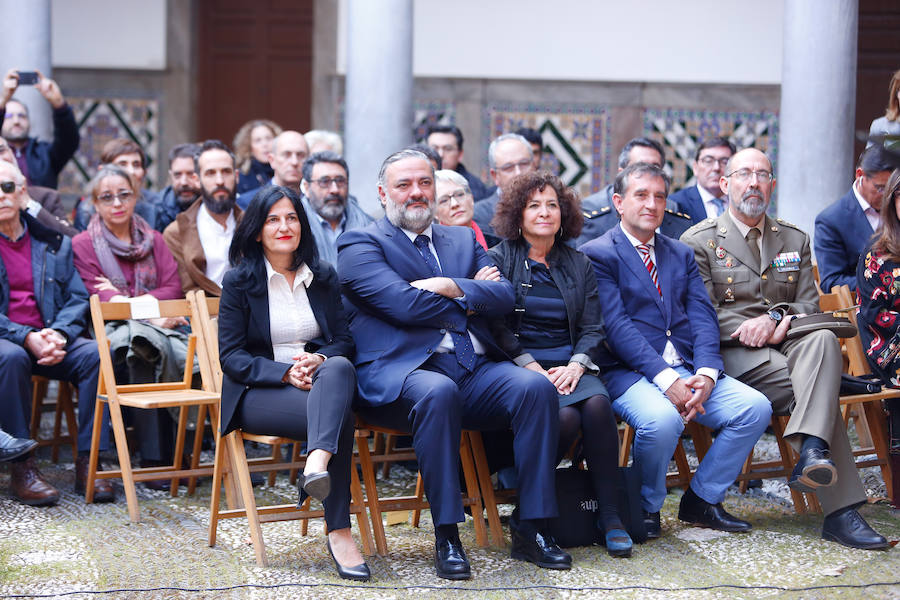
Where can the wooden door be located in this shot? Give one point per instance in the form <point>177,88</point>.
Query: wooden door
<point>878,56</point>
<point>254,61</point>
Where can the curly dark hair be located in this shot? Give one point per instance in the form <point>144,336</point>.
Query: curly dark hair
<point>507,221</point>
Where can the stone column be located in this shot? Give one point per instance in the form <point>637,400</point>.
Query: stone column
<point>26,46</point>
<point>818,107</point>
<point>378,109</point>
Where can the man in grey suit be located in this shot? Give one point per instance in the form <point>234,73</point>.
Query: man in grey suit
<point>758,272</point>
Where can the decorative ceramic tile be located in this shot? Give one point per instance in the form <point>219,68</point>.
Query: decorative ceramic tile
<point>681,131</point>
<point>100,120</point>
<point>432,113</point>
<point>576,138</point>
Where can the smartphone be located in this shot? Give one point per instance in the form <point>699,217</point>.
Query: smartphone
<point>28,78</point>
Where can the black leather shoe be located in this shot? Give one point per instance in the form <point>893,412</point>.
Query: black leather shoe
<point>450,560</point>
<point>652,524</point>
<point>696,510</point>
<point>359,572</point>
<point>850,529</point>
<point>540,549</point>
<point>317,485</point>
<point>13,447</point>
<point>813,470</point>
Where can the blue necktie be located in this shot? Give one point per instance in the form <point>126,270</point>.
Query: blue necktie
<point>720,206</point>
<point>465,353</point>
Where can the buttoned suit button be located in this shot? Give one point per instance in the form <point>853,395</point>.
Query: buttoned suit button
<point>443,331</point>
<point>428,351</point>
<point>668,333</point>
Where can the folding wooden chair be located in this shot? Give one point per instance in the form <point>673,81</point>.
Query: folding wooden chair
<point>682,476</point>
<point>472,497</point>
<point>62,407</point>
<point>177,394</point>
<point>232,460</point>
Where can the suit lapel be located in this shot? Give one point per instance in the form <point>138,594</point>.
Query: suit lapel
<point>258,299</point>
<point>629,256</point>
<point>664,273</point>
<point>730,238</point>
<point>415,267</point>
<point>444,249</point>
<point>862,229</point>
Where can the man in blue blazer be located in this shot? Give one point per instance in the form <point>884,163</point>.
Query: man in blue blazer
<point>843,230</point>
<point>420,296</point>
<point>705,199</point>
<point>663,330</point>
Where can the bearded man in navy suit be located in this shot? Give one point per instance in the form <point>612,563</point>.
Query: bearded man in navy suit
<point>420,296</point>
<point>663,330</point>
<point>845,228</point>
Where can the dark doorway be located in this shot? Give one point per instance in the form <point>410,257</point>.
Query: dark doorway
<point>878,56</point>
<point>254,61</point>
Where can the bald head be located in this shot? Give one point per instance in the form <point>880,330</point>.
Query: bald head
<point>744,155</point>
<point>289,150</point>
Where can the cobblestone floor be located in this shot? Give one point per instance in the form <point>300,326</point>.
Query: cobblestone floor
<point>72,549</point>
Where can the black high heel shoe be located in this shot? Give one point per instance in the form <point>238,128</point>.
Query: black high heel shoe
<point>358,572</point>
<point>317,485</point>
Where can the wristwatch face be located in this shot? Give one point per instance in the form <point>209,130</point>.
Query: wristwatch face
<point>775,315</point>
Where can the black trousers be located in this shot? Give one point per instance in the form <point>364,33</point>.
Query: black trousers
<point>321,416</point>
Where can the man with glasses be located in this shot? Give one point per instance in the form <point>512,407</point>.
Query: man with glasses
<point>330,209</point>
<point>758,273</point>
<point>447,140</point>
<point>844,228</point>
<point>508,155</point>
<point>706,200</point>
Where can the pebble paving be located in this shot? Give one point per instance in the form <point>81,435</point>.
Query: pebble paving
<point>74,550</point>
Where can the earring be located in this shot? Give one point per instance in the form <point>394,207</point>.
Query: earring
<point>559,232</point>
<point>520,232</point>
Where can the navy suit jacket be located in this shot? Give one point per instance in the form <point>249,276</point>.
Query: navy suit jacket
<point>842,233</point>
<point>396,326</point>
<point>245,340</point>
<point>690,203</point>
<point>639,321</point>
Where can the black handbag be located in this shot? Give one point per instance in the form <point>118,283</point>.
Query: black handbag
<point>576,524</point>
<point>859,385</point>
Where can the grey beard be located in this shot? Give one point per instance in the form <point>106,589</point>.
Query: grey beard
<point>752,206</point>
<point>400,217</point>
<point>330,211</point>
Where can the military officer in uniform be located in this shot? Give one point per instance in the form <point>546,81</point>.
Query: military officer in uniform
<point>599,215</point>
<point>758,272</point>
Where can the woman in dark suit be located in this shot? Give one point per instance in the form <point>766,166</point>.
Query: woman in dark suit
<point>557,327</point>
<point>283,342</point>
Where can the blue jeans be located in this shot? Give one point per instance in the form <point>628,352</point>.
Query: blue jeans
<point>738,412</point>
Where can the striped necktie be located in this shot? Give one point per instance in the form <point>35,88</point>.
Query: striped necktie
<point>644,251</point>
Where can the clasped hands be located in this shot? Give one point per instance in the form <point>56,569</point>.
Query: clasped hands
<point>763,331</point>
<point>688,395</point>
<point>47,346</point>
<point>565,378</point>
<point>301,372</point>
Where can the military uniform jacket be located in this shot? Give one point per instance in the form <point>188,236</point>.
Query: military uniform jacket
<point>742,290</point>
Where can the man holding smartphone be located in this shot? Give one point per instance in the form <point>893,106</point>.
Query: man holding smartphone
<point>39,161</point>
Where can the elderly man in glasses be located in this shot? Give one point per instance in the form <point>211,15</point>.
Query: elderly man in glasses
<point>758,272</point>
<point>706,199</point>
<point>329,207</point>
<point>43,310</point>
<point>508,155</point>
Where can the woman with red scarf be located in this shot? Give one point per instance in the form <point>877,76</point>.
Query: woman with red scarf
<point>456,206</point>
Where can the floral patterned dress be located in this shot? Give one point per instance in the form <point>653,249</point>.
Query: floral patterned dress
<point>878,277</point>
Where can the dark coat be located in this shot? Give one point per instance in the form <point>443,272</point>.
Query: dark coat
<point>842,233</point>
<point>574,276</point>
<point>690,203</point>
<point>245,341</point>
<point>46,159</point>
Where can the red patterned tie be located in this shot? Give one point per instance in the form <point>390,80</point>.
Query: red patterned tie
<point>644,251</point>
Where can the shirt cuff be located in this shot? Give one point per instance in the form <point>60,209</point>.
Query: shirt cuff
<point>709,372</point>
<point>665,378</point>
<point>324,358</point>
<point>585,361</point>
<point>523,359</point>
<point>33,208</point>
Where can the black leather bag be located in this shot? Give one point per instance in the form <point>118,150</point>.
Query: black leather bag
<point>859,385</point>
<point>576,524</point>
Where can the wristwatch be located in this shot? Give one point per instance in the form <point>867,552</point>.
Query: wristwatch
<point>775,315</point>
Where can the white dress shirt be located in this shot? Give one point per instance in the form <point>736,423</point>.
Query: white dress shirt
<point>291,319</point>
<point>215,240</point>
<point>446,344</point>
<point>872,215</point>
<point>665,378</point>
<point>711,211</point>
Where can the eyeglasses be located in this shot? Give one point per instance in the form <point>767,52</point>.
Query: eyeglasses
<point>708,161</point>
<point>124,197</point>
<point>745,175</point>
<point>325,182</point>
<point>457,195</point>
<point>8,187</point>
<point>510,167</point>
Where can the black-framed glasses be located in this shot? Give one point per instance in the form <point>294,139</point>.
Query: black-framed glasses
<point>8,187</point>
<point>325,182</point>
<point>745,175</point>
<point>124,197</point>
<point>708,161</point>
<point>458,195</point>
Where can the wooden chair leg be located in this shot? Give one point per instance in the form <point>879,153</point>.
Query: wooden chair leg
<point>180,436</point>
<point>368,470</point>
<point>487,490</point>
<point>94,455</point>
<point>118,427</point>
<point>304,525</point>
<point>239,464</point>
<point>276,457</point>
<point>199,430</point>
<point>876,419</point>
<point>362,520</point>
<point>420,493</point>
<point>684,469</point>
<point>38,391</point>
<point>390,441</point>
<point>788,459</point>
<point>472,491</point>
<point>295,457</point>
<point>625,449</point>
<point>67,401</point>
<point>219,468</point>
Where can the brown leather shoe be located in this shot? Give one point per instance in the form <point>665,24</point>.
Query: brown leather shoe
<point>28,486</point>
<point>103,489</point>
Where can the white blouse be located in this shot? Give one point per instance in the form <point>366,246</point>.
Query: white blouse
<point>291,319</point>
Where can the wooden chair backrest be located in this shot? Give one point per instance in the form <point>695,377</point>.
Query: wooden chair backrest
<point>855,353</point>
<point>101,312</point>
<point>204,318</point>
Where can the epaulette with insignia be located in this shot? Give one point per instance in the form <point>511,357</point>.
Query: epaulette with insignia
<point>704,224</point>
<point>787,224</point>
<point>677,214</point>
<point>596,213</point>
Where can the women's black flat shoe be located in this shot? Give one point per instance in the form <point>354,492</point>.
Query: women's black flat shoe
<point>359,572</point>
